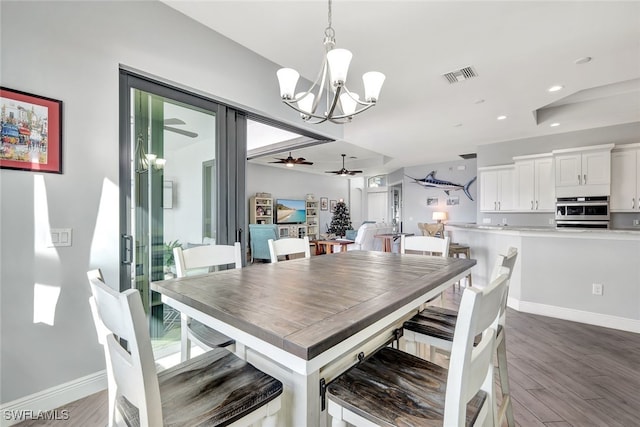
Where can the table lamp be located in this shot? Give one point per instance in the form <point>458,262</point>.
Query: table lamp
<point>439,216</point>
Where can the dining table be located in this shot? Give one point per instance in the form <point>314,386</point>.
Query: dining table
<point>307,320</point>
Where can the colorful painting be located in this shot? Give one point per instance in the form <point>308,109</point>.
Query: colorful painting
<point>31,135</point>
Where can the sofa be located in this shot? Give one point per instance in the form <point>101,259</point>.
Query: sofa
<point>365,240</point>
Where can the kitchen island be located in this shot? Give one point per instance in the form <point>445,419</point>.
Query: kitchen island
<point>558,268</point>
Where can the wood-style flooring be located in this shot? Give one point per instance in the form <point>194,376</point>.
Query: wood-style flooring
<point>561,374</point>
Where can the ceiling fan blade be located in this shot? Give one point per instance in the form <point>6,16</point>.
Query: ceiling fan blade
<point>304,163</point>
<point>181,132</point>
<point>280,161</point>
<point>332,171</point>
<point>354,172</point>
<point>174,121</point>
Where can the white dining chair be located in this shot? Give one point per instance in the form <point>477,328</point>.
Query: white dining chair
<point>394,388</point>
<point>289,246</point>
<point>435,327</point>
<point>216,388</point>
<point>199,260</point>
<point>425,244</point>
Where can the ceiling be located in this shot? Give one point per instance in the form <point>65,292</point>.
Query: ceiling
<point>518,50</point>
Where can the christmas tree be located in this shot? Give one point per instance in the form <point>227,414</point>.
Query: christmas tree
<point>341,221</point>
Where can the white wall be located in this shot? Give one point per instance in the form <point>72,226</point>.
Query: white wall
<point>72,51</point>
<point>292,184</point>
<point>415,195</point>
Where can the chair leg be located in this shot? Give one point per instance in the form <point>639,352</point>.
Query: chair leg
<point>185,344</point>
<point>506,408</point>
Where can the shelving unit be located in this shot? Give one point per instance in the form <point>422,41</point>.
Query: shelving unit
<point>313,220</point>
<point>292,231</point>
<point>261,210</point>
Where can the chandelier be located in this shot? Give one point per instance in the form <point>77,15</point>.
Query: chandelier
<point>332,79</point>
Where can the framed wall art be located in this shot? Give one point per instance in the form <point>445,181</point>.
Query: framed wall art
<point>332,205</point>
<point>324,203</point>
<point>31,135</point>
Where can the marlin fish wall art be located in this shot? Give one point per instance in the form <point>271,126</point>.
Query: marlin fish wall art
<point>430,181</point>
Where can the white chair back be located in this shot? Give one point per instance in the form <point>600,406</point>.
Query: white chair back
<point>121,316</point>
<point>425,244</point>
<point>206,256</point>
<point>288,246</point>
<point>504,265</point>
<point>471,367</point>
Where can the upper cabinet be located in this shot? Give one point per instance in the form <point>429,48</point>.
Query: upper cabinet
<point>535,183</point>
<point>497,190</point>
<point>583,171</point>
<point>625,179</point>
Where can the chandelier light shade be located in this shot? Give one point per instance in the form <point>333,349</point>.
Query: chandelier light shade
<point>342,104</point>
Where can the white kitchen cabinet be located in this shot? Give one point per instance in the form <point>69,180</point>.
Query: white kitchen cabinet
<point>584,171</point>
<point>535,183</point>
<point>625,179</point>
<point>497,188</point>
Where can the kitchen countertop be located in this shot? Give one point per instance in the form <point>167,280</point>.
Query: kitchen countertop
<point>524,228</point>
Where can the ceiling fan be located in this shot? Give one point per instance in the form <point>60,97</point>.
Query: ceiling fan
<point>290,161</point>
<point>174,121</point>
<point>343,171</point>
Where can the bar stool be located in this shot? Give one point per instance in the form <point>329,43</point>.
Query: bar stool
<point>457,249</point>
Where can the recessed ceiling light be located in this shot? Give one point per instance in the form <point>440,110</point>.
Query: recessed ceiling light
<point>457,125</point>
<point>555,88</point>
<point>554,124</point>
<point>478,101</point>
<point>583,60</point>
<point>501,117</point>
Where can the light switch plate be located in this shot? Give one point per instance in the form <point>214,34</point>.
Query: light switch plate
<point>486,220</point>
<point>60,237</point>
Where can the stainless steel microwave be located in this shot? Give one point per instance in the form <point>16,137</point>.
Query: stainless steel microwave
<point>588,212</point>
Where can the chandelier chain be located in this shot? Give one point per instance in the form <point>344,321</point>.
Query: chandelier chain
<point>329,32</point>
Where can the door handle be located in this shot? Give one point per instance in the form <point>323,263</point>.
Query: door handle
<point>536,205</point>
<point>585,179</point>
<point>498,205</point>
<point>239,235</point>
<point>532,205</point>
<point>579,180</point>
<point>127,249</point>
<point>495,206</point>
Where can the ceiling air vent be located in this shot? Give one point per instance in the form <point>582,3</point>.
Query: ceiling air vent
<point>459,75</point>
<point>468,156</point>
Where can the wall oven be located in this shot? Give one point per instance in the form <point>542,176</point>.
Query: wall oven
<point>582,212</point>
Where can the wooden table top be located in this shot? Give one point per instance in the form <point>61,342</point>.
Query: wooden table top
<point>333,242</point>
<point>306,306</point>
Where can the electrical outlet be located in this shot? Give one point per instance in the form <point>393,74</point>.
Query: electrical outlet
<point>552,221</point>
<point>597,289</point>
<point>636,222</point>
<point>486,220</point>
<point>504,221</point>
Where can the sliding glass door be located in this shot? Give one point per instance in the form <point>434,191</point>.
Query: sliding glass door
<point>182,184</point>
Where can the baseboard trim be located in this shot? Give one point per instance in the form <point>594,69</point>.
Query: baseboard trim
<point>587,317</point>
<point>53,397</point>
